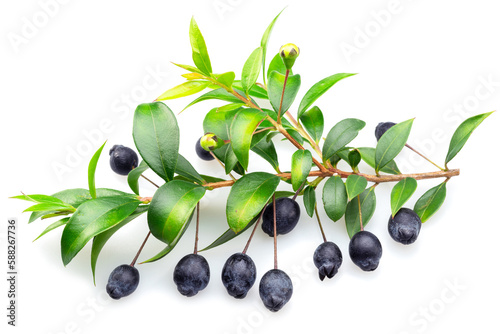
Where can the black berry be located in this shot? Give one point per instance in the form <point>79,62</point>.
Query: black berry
<point>328,259</point>
<point>238,275</point>
<point>275,289</point>
<point>382,128</point>
<point>202,153</point>
<point>122,159</point>
<point>122,281</point>
<point>405,226</point>
<point>287,216</point>
<point>365,250</point>
<point>191,274</point>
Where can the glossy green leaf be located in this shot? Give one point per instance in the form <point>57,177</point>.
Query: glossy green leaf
<point>256,90</point>
<point>275,91</point>
<point>225,79</point>
<point>309,200</point>
<point>184,89</point>
<point>229,107</point>
<point>42,207</point>
<point>156,136</point>
<point>368,156</point>
<point>295,135</point>
<point>368,202</point>
<point>184,168</point>
<point>200,53</point>
<point>170,208</point>
<point>251,70</point>
<point>244,124</point>
<point>93,217</point>
<point>263,44</point>
<point>462,134</point>
<point>430,202</point>
<point>391,143</point>
<point>267,151</point>
<point>247,198</point>
<point>217,94</point>
<point>40,199</point>
<point>319,89</point>
<point>301,166</point>
<point>313,122</point>
<point>334,198</point>
<point>53,226</point>
<point>91,172</point>
<point>401,193</point>
<point>340,135</point>
<point>101,239</point>
<point>215,122</point>
<point>355,185</point>
<point>354,158</point>
<point>134,175</point>
<point>277,65</point>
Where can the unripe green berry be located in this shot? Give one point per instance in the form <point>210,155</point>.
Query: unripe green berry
<point>211,142</point>
<point>289,53</point>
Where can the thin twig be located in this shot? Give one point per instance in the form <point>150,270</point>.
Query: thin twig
<point>360,216</point>
<point>220,162</point>
<point>197,228</point>
<point>275,236</point>
<point>319,223</point>
<point>154,184</point>
<point>423,156</point>
<point>140,250</point>
<point>253,232</point>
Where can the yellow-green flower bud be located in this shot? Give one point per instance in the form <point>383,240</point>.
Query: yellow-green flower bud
<point>289,52</point>
<point>211,142</point>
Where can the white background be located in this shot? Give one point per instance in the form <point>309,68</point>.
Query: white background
<point>89,64</point>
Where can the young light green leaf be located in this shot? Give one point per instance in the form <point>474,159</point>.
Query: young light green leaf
<point>184,89</point>
<point>313,123</point>
<point>391,143</point>
<point>309,200</point>
<point>170,208</point>
<point>191,69</point>
<point>156,136</point>
<point>355,185</point>
<point>92,167</point>
<point>401,193</point>
<point>225,79</point>
<point>251,70</point>
<point>256,90</point>
<point>244,124</point>
<point>430,202</point>
<point>217,94</point>
<point>319,89</point>
<point>247,198</point>
<point>193,76</point>
<point>267,151</point>
<point>368,156</point>
<point>340,135</point>
<point>42,207</point>
<point>368,202</point>
<point>334,198</point>
<point>39,199</point>
<point>462,134</point>
<point>301,166</point>
<point>229,107</point>
<point>93,217</point>
<point>53,226</point>
<point>200,53</point>
<point>263,44</point>
<point>134,175</point>
<point>275,91</point>
<point>277,65</point>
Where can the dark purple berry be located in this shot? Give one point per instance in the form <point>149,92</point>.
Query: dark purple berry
<point>275,289</point>
<point>202,153</point>
<point>405,226</point>
<point>365,250</point>
<point>122,159</point>
<point>328,259</point>
<point>191,274</point>
<point>122,281</point>
<point>238,275</point>
<point>287,216</point>
<point>382,128</point>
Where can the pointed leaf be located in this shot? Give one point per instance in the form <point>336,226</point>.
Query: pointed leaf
<point>170,208</point>
<point>430,202</point>
<point>391,143</point>
<point>184,168</point>
<point>42,207</point>
<point>184,89</point>
<point>401,193</point>
<point>313,123</point>
<point>277,65</point>
<point>355,185</point>
<point>135,174</point>
<point>275,91</point>
<point>251,70</point>
<point>368,202</point>
<point>309,200</point>
<point>191,69</point>
<point>217,94</point>
<point>301,166</point>
<point>319,89</point>
<point>92,167</point>
<point>462,134</point>
<point>256,90</point>
<point>53,226</point>
<point>264,41</point>
<point>244,124</point>
<point>334,198</point>
<point>200,53</point>
<point>156,136</point>
<point>226,79</point>
<point>193,76</point>
<point>229,107</point>
<point>340,135</point>
<point>368,156</point>
<point>267,151</point>
<point>247,198</point>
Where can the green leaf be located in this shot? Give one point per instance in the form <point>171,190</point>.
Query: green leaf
<point>156,136</point>
<point>93,217</point>
<point>170,208</point>
<point>229,107</point>
<point>242,128</point>
<point>134,175</point>
<point>263,44</point>
<point>462,134</point>
<point>247,198</point>
<point>40,199</point>
<point>368,202</point>
<point>251,70</point>
<point>53,226</point>
<point>313,123</point>
<point>275,91</point>
<point>309,200</point>
<point>401,193</point>
<point>215,122</point>
<point>267,151</point>
<point>354,158</point>
<point>340,135</point>
<point>368,156</point>
<point>184,168</point>
<point>191,69</point>
<point>256,90</point>
<point>184,89</point>
<point>334,198</point>
<point>301,166</point>
<point>92,167</point>
<point>430,202</point>
<point>277,65</point>
<point>391,143</point>
<point>295,135</point>
<point>217,94</point>
<point>355,185</point>
<point>225,79</point>
<point>319,89</point>
<point>42,207</point>
<point>200,53</point>
<point>101,239</point>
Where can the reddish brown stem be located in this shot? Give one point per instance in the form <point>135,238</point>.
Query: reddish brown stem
<point>140,250</point>
<point>197,228</point>
<point>253,232</point>
<point>274,233</point>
